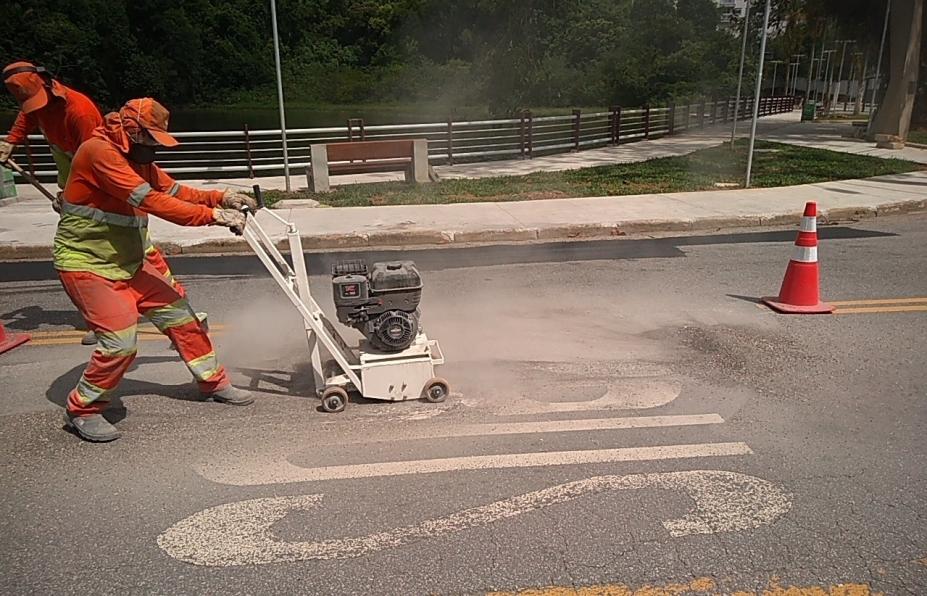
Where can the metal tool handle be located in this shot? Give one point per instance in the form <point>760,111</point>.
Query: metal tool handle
<point>259,195</point>
<point>9,163</point>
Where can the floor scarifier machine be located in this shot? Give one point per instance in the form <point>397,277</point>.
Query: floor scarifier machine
<point>395,361</point>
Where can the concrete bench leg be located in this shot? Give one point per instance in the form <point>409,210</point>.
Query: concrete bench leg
<point>420,161</point>
<point>317,171</point>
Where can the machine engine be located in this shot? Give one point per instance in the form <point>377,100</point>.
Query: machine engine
<point>381,303</point>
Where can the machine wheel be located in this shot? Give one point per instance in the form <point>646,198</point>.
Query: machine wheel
<point>334,399</point>
<point>436,390</point>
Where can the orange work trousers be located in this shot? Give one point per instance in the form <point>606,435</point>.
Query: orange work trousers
<point>112,308</point>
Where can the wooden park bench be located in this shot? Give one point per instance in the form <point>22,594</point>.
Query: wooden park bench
<point>363,157</point>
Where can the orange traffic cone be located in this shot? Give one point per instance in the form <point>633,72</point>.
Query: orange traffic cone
<point>8,341</point>
<point>800,291</point>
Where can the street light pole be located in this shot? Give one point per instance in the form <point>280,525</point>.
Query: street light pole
<point>775,64</point>
<point>740,76</point>
<point>810,73</point>
<point>826,76</point>
<point>795,73</point>
<point>878,73</point>
<point>756,102</point>
<point>286,160</point>
<point>843,55</point>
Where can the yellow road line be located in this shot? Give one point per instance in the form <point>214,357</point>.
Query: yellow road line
<point>881,309</point>
<point>69,337</point>
<point>701,586</point>
<point>915,300</point>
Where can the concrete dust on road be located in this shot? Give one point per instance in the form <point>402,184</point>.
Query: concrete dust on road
<point>627,421</point>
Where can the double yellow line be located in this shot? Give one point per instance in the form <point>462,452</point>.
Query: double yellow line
<point>72,337</point>
<point>882,305</point>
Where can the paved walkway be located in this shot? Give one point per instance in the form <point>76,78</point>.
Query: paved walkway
<point>27,228</point>
<point>682,144</point>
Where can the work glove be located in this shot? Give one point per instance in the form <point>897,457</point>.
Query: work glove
<point>230,218</point>
<point>6,150</point>
<point>56,204</point>
<point>236,200</point>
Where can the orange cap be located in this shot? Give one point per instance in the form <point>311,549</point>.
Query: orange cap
<point>27,85</point>
<point>145,114</point>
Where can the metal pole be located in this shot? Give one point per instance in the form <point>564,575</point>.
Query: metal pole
<point>825,74</point>
<point>775,64</point>
<point>740,76</point>
<point>810,74</point>
<point>286,159</point>
<point>756,104</point>
<point>843,56</point>
<point>877,82</point>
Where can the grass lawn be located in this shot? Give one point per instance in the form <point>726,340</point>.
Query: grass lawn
<point>918,136</point>
<point>716,168</point>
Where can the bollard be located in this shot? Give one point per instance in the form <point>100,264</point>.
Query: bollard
<point>647,121</point>
<point>577,116</point>
<point>450,141</point>
<point>248,152</point>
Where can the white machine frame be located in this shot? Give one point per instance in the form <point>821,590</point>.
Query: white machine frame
<point>399,376</point>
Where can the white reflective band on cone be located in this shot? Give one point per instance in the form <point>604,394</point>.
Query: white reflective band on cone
<point>806,254</point>
<point>809,224</point>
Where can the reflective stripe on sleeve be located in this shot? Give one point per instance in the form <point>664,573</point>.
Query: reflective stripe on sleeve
<point>138,195</point>
<point>174,190</point>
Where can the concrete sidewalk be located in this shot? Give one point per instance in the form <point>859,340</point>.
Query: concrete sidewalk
<point>27,230</point>
<point>681,144</point>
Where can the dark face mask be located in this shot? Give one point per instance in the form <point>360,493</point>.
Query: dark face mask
<point>143,154</point>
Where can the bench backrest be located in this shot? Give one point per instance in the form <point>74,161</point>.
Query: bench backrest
<point>369,150</point>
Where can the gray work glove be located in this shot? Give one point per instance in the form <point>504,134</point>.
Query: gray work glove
<point>236,200</point>
<point>230,218</point>
<point>56,204</point>
<point>6,150</point>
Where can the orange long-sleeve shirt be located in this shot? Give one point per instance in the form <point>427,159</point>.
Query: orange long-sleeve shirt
<point>106,205</point>
<point>66,121</point>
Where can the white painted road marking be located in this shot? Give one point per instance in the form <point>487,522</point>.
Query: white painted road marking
<point>241,533</point>
<point>413,432</point>
<point>622,394</point>
<point>264,469</point>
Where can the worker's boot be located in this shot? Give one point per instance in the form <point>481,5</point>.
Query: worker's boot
<point>89,339</point>
<point>232,396</point>
<point>94,428</point>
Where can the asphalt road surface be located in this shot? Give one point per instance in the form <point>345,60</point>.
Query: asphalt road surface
<point>624,417</point>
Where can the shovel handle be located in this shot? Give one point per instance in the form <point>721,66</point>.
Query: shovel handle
<point>30,178</point>
<point>259,195</point>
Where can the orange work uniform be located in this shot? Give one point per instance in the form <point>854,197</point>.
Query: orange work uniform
<point>99,252</point>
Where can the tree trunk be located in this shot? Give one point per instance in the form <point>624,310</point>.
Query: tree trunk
<point>919,118</point>
<point>905,40</point>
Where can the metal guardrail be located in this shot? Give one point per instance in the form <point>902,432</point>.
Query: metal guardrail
<point>253,153</point>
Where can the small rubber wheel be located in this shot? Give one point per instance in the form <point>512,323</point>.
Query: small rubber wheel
<point>436,390</point>
<point>334,399</point>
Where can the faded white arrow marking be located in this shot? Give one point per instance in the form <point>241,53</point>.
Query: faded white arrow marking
<point>622,394</point>
<point>241,533</point>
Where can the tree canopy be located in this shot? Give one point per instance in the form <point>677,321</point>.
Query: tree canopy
<point>502,53</point>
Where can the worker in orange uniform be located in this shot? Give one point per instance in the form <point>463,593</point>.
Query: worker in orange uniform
<point>99,252</point>
<point>66,118</point>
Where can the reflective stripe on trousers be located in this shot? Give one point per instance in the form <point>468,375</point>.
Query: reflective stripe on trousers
<point>111,309</point>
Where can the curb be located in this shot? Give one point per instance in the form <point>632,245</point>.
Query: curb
<point>559,232</point>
